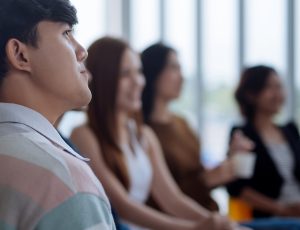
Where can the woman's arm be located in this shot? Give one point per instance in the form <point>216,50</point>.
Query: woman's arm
<point>165,191</point>
<point>128,209</point>
<point>220,175</point>
<point>264,203</point>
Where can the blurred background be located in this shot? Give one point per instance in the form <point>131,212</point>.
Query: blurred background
<point>215,39</point>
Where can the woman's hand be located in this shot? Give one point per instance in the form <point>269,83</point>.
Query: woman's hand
<point>220,175</point>
<point>289,210</point>
<point>217,222</point>
<point>240,143</point>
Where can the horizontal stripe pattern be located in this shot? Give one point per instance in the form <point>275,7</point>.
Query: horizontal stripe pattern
<point>11,202</point>
<point>38,185</point>
<point>38,153</point>
<point>78,213</point>
<point>5,226</point>
<point>43,187</point>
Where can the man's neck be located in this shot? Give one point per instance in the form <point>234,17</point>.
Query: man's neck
<point>15,90</point>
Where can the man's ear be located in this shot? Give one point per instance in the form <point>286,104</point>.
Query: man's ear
<point>17,55</point>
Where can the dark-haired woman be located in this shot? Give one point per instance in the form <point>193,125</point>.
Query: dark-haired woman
<point>181,146</point>
<point>274,189</point>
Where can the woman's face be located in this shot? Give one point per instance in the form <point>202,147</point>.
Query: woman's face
<point>271,99</point>
<point>131,82</point>
<point>169,83</point>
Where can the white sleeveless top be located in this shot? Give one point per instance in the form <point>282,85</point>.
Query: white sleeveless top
<point>139,169</point>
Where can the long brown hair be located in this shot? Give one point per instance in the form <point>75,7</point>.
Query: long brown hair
<point>104,63</point>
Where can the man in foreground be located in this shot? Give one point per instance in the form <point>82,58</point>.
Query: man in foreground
<point>44,184</point>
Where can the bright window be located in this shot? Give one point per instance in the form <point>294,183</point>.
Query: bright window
<point>266,33</point>
<point>220,73</point>
<point>180,33</point>
<point>145,19</point>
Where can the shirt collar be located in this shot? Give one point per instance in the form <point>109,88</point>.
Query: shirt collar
<point>13,113</point>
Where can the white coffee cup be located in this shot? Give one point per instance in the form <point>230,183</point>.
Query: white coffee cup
<point>243,163</point>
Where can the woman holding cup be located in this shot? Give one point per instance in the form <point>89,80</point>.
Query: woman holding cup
<point>274,187</point>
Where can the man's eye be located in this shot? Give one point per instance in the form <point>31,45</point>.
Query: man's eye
<point>68,32</point>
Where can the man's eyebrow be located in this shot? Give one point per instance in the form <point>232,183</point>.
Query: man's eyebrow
<point>65,24</point>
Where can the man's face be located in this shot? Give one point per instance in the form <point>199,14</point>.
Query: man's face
<point>57,67</point>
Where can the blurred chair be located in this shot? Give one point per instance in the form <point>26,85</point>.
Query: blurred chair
<point>239,210</point>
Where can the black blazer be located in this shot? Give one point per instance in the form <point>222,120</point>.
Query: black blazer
<point>266,178</point>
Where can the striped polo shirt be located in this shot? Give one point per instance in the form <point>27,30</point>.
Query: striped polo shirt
<point>44,183</point>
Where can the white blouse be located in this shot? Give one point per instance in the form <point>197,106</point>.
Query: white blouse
<point>139,169</point>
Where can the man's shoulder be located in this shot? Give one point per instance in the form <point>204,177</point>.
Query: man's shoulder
<point>31,147</point>
<point>35,156</point>
<point>44,156</point>
<point>46,180</point>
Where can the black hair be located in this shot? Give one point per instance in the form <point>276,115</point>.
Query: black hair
<point>19,20</point>
<point>253,81</point>
<point>154,60</point>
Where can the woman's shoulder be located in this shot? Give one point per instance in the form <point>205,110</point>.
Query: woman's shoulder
<point>179,119</point>
<point>149,137</point>
<point>184,124</point>
<point>82,131</point>
<point>147,132</point>
<point>85,139</point>
<point>291,126</point>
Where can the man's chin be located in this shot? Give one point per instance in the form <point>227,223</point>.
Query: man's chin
<point>81,109</point>
<point>83,102</point>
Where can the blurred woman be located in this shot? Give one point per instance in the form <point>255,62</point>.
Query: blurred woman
<point>126,155</point>
<point>274,188</point>
<point>181,146</point>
